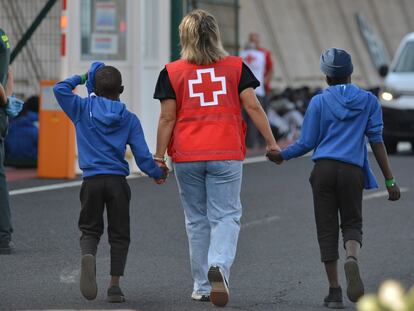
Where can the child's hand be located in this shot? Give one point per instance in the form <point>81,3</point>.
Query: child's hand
<point>275,156</point>
<point>394,193</point>
<point>165,169</point>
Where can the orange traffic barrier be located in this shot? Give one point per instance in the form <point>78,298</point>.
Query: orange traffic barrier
<point>56,155</point>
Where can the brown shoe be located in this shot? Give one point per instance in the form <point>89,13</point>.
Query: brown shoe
<point>219,294</point>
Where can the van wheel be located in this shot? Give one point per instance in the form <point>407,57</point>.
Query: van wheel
<point>391,145</point>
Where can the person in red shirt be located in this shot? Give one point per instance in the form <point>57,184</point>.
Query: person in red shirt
<point>254,39</point>
<point>201,125</point>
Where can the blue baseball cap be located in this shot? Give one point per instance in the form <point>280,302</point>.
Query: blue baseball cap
<point>336,63</point>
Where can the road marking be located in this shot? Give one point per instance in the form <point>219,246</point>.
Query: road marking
<point>259,222</point>
<point>69,277</point>
<point>45,188</point>
<point>70,184</point>
<point>403,147</point>
<point>257,159</point>
<point>77,183</point>
<point>380,194</point>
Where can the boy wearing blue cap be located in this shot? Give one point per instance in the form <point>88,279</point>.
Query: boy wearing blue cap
<point>336,125</point>
<point>104,127</point>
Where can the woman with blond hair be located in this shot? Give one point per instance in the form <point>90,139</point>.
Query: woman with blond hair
<point>201,125</point>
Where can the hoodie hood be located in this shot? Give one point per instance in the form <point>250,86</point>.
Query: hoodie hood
<point>107,115</point>
<point>90,82</point>
<point>345,101</point>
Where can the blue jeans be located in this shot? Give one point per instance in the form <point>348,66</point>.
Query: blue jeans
<point>210,195</point>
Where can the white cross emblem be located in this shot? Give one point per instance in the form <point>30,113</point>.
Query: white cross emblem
<point>207,90</point>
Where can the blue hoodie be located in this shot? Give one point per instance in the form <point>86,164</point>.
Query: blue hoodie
<point>336,125</point>
<point>103,129</point>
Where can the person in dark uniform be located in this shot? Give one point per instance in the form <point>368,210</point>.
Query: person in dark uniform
<point>336,125</point>
<point>9,107</point>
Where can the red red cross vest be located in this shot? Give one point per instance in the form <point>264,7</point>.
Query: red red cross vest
<point>209,124</point>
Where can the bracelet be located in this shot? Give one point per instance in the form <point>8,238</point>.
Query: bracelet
<point>84,77</point>
<point>160,159</point>
<point>390,182</point>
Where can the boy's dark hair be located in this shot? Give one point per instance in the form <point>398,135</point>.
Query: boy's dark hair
<point>338,80</point>
<point>108,82</point>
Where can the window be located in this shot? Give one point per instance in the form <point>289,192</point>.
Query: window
<point>103,29</point>
<point>405,62</point>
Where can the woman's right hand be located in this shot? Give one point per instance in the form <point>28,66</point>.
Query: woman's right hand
<point>273,147</point>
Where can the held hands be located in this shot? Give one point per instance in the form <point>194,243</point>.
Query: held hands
<point>165,169</point>
<point>273,153</point>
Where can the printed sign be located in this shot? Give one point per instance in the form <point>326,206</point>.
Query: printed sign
<point>105,16</point>
<point>104,44</point>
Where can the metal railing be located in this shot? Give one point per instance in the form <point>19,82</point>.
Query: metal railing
<point>39,58</point>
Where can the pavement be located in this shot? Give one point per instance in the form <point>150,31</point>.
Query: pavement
<point>277,265</point>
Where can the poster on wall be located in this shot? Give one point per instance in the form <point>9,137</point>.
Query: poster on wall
<point>104,43</point>
<point>105,16</point>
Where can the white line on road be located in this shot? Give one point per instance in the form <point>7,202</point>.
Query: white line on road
<point>69,277</point>
<point>380,194</point>
<point>82,310</point>
<point>77,183</point>
<point>46,188</point>
<point>259,222</point>
<point>257,159</point>
<point>70,184</point>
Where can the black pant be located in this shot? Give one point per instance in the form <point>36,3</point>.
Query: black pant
<point>337,187</point>
<point>113,192</point>
<point>6,228</point>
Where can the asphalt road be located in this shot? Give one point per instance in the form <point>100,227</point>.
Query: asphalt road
<point>277,265</point>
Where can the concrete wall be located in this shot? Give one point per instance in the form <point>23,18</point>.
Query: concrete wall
<point>297,31</point>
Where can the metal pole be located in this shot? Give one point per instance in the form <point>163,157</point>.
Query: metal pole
<point>28,34</point>
<point>237,26</point>
<point>176,16</point>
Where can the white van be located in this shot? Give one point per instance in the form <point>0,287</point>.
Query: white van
<point>397,97</point>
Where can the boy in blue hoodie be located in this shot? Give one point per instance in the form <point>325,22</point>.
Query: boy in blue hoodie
<point>336,125</point>
<point>104,127</point>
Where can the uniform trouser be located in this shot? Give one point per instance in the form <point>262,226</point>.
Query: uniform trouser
<point>210,195</point>
<point>113,192</point>
<point>337,188</point>
<point>6,228</point>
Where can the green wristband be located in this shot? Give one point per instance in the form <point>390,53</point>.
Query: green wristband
<point>390,182</point>
<point>84,77</point>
